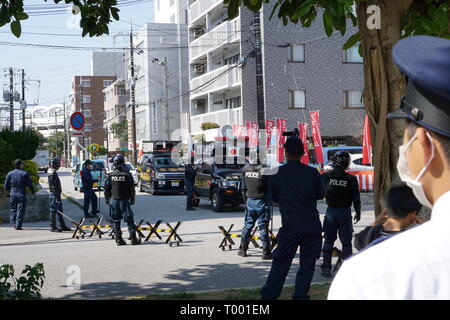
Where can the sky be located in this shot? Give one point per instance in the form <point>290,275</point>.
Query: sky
<point>55,67</point>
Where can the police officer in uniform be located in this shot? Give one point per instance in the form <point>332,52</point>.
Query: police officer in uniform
<point>120,195</point>
<point>257,206</point>
<point>341,190</point>
<point>16,183</point>
<point>55,189</point>
<point>189,181</point>
<point>89,194</point>
<point>296,187</point>
<point>413,264</point>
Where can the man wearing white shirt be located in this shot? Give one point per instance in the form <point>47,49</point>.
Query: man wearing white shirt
<point>416,263</point>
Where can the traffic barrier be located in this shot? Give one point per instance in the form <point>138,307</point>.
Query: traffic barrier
<point>95,226</point>
<point>228,241</point>
<point>172,240</point>
<point>365,179</point>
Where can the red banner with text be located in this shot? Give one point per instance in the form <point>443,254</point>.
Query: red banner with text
<point>316,137</point>
<point>303,130</point>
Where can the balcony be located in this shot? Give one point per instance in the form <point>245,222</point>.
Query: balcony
<point>222,117</point>
<point>225,77</point>
<point>200,7</point>
<point>225,33</point>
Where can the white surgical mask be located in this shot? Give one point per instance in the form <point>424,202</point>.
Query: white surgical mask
<point>405,176</point>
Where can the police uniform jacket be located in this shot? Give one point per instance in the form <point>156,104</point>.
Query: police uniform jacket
<point>87,180</point>
<point>54,184</point>
<point>256,182</point>
<point>341,189</point>
<point>119,185</point>
<point>16,182</point>
<point>189,177</point>
<point>296,187</point>
<point>413,264</point>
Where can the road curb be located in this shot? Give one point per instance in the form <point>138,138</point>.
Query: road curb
<point>73,200</point>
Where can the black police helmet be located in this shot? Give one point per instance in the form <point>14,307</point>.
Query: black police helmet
<point>87,162</point>
<point>54,163</point>
<point>341,160</point>
<point>118,160</point>
<point>18,163</point>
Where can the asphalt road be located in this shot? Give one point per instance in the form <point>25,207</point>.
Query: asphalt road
<point>108,271</point>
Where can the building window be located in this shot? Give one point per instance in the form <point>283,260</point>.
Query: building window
<point>297,99</point>
<point>86,83</point>
<point>107,83</point>
<point>353,99</point>
<point>352,55</point>
<point>86,99</point>
<point>296,53</point>
<point>232,60</point>
<point>172,18</point>
<point>122,92</point>
<point>232,103</point>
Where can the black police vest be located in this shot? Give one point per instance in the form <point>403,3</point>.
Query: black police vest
<point>339,188</point>
<point>253,178</point>
<point>120,185</point>
<point>54,184</point>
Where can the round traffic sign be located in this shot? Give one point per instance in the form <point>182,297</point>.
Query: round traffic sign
<point>77,121</point>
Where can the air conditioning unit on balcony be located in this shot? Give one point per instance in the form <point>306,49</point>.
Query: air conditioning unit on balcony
<point>200,68</point>
<point>199,104</point>
<point>199,31</point>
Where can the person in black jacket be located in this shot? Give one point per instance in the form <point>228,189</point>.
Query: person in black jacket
<point>89,194</point>
<point>341,190</point>
<point>296,187</point>
<point>189,181</point>
<point>120,195</point>
<point>400,213</point>
<point>257,206</point>
<point>56,207</point>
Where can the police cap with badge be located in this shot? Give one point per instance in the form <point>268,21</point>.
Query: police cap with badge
<point>425,61</point>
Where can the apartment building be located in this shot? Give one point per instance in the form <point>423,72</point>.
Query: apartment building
<point>87,97</point>
<point>303,71</point>
<point>116,98</point>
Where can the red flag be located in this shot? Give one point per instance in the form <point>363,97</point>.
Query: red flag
<point>270,124</point>
<point>237,130</point>
<point>317,139</point>
<point>281,127</point>
<point>367,143</point>
<point>252,133</point>
<point>303,129</point>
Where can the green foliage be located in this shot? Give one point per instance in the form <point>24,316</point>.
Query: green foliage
<point>429,17</point>
<point>120,130</point>
<point>32,168</point>
<point>26,287</point>
<point>95,15</point>
<point>55,143</point>
<point>17,145</point>
<point>209,125</point>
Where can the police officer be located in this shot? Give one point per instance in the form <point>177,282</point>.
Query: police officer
<point>296,187</point>
<point>341,190</point>
<point>56,207</point>
<point>189,181</point>
<point>257,205</point>
<point>414,264</point>
<point>120,195</point>
<point>16,183</point>
<point>89,194</point>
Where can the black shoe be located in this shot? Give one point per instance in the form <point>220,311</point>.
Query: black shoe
<point>190,209</point>
<point>65,228</point>
<point>19,228</point>
<point>119,240</point>
<point>134,240</point>
<point>326,271</point>
<point>242,253</point>
<point>266,256</point>
<point>55,230</point>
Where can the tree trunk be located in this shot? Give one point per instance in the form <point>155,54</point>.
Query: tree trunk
<point>384,86</point>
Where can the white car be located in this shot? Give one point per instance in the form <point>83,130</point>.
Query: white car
<point>355,164</point>
<point>133,172</point>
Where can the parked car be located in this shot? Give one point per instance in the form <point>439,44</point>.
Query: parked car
<point>133,172</point>
<point>98,173</point>
<point>355,164</point>
<point>219,183</point>
<point>42,159</point>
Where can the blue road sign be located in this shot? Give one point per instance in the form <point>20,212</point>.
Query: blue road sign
<point>77,121</point>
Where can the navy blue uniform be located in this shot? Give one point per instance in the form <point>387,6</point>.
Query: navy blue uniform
<point>120,194</point>
<point>257,205</point>
<point>296,188</point>
<point>16,183</point>
<point>189,181</point>
<point>341,190</point>
<point>90,198</point>
<point>56,207</point>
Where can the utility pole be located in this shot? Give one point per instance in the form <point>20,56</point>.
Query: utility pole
<point>11,99</point>
<point>65,135</point>
<point>166,109</point>
<point>56,135</point>
<point>259,72</point>
<point>133,99</point>
<point>23,105</point>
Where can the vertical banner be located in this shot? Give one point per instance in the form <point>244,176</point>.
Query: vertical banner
<point>317,139</point>
<point>281,127</point>
<point>253,136</point>
<point>303,129</point>
<point>367,143</point>
<point>237,130</point>
<point>270,124</point>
